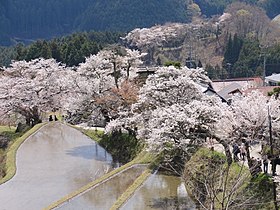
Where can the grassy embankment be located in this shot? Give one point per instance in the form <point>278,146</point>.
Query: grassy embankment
<point>8,155</point>
<point>208,180</point>
<point>121,146</point>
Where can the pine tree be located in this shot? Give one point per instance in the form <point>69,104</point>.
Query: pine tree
<point>199,65</point>
<point>228,52</point>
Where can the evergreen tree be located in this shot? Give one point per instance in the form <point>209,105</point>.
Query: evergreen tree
<point>236,48</point>
<point>273,60</point>
<point>228,51</point>
<point>55,50</point>
<point>20,52</point>
<point>233,49</point>
<point>248,59</point>
<point>199,65</point>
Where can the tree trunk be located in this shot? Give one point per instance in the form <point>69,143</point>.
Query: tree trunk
<point>127,71</point>
<point>227,150</point>
<point>115,75</point>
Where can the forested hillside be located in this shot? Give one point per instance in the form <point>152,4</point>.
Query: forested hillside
<point>26,20</point>
<point>213,7</point>
<point>71,49</point>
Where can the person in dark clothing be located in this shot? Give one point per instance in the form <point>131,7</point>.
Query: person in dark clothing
<point>243,151</point>
<point>50,118</point>
<point>273,166</point>
<point>235,152</point>
<point>55,118</point>
<point>265,163</point>
<point>256,166</point>
<point>274,162</point>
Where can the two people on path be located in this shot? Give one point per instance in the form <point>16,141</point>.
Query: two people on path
<point>53,119</point>
<point>242,150</point>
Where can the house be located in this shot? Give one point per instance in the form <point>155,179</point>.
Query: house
<point>264,90</point>
<point>230,90</point>
<point>208,90</point>
<point>245,83</point>
<point>273,80</point>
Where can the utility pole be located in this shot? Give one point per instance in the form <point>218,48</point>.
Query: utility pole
<point>272,159</point>
<point>270,131</point>
<point>264,69</point>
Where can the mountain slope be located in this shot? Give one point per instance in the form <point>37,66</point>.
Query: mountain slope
<point>33,19</point>
<point>128,14</point>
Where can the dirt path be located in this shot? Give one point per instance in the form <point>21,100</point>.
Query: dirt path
<point>255,151</point>
<point>50,164</point>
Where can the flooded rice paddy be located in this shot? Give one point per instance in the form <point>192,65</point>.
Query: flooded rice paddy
<point>58,160</point>
<point>160,192</point>
<point>103,196</point>
<point>51,164</point>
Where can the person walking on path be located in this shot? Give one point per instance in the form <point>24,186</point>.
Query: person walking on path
<point>243,151</point>
<point>235,151</point>
<point>265,163</point>
<point>256,166</point>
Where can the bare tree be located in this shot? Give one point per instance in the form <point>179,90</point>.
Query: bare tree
<point>248,20</point>
<point>218,185</point>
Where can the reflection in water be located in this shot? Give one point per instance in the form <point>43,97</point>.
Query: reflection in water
<point>103,196</point>
<point>160,192</point>
<point>88,152</point>
<point>52,163</point>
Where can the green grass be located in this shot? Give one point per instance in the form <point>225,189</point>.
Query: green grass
<point>10,161</point>
<point>212,166</point>
<point>8,132</point>
<point>7,129</point>
<point>93,134</point>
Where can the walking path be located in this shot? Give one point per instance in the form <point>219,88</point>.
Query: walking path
<point>255,151</point>
<point>84,126</point>
<point>52,163</point>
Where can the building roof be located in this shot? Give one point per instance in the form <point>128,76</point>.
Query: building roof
<point>264,90</point>
<point>229,90</point>
<point>245,83</point>
<point>273,77</point>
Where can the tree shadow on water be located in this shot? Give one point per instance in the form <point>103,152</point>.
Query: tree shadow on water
<point>90,152</point>
<point>171,203</point>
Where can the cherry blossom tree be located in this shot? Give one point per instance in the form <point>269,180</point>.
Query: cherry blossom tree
<point>172,112</point>
<point>30,88</point>
<point>103,76</point>
<point>247,118</point>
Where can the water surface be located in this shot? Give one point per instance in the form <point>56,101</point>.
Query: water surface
<point>103,196</point>
<point>160,192</point>
<point>52,163</point>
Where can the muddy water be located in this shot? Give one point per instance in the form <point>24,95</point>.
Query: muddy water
<point>50,164</point>
<point>160,192</point>
<point>105,195</point>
